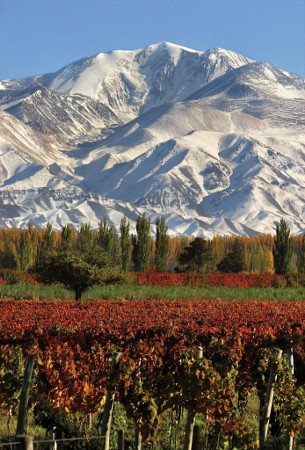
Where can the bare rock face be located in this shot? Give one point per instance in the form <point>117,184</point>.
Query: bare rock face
<point>210,139</point>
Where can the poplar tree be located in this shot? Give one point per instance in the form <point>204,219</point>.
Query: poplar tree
<point>161,244</point>
<point>46,246</point>
<point>142,244</point>
<point>88,250</point>
<point>66,239</point>
<point>302,256</point>
<point>125,243</point>
<point>270,264</point>
<point>282,250</point>
<point>25,251</point>
<point>85,239</point>
<point>108,241</point>
<point>8,256</point>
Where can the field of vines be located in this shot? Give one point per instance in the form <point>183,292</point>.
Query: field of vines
<point>208,359</point>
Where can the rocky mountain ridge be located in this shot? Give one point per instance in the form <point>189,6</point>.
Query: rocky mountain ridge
<point>210,139</point>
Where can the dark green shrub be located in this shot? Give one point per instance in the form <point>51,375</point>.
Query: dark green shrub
<point>10,276</point>
<point>279,282</point>
<point>296,281</point>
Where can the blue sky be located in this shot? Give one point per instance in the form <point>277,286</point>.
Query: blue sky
<point>39,36</point>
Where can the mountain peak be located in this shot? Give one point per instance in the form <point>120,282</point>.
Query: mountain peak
<point>210,139</point>
<point>133,81</point>
<point>172,46</point>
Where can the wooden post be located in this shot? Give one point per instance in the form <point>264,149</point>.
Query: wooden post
<point>108,409</point>
<point>291,360</point>
<point>190,421</point>
<point>26,442</point>
<point>121,443</point>
<point>24,396</point>
<point>54,447</point>
<point>189,430</point>
<point>138,431</point>
<point>291,366</point>
<point>138,439</point>
<point>265,416</point>
<point>89,421</point>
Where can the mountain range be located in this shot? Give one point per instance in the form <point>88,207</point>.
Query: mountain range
<point>212,140</point>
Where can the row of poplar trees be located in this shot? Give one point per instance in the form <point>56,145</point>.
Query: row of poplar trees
<point>30,248</point>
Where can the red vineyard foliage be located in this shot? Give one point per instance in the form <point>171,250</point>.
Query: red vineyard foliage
<point>243,280</point>
<point>159,366</point>
<point>213,279</point>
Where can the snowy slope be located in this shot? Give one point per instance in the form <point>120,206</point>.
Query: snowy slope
<point>260,90</point>
<point>28,159</point>
<point>135,81</point>
<point>201,163</point>
<point>68,119</point>
<point>130,82</point>
<point>210,139</point>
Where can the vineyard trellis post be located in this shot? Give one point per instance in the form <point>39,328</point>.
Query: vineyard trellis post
<point>138,439</point>
<point>24,396</point>
<point>291,367</point>
<point>266,412</point>
<point>108,409</point>
<point>54,447</point>
<point>138,430</point>
<point>189,430</point>
<point>190,421</point>
<point>26,442</point>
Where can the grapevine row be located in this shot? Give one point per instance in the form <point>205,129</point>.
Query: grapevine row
<point>159,367</point>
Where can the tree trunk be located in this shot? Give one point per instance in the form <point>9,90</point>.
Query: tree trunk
<point>195,445</point>
<point>121,442</point>
<point>78,295</point>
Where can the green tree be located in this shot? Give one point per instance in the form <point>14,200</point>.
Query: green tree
<point>234,261</point>
<point>25,251</point>
<point>125,243</point>
<point>283,248</point>
<point>8,256</point>
<point>46,246</point>
<point>77,274</point>
<point>108,240</point>
<point>66,239</point>
<point>85,239</point>
<point>162,240</point>
<point>302,256</point>
<point>195,255</point>
<point>142,244</point>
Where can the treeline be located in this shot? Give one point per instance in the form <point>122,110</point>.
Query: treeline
<point>27,249</point>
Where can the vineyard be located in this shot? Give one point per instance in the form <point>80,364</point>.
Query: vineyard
<point>206,360</point>
<point>245,280</point>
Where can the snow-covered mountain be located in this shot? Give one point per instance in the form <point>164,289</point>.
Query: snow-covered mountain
<point>210,139</point>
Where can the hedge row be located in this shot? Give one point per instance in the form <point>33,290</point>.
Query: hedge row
<point>8,276</point>
<point>217,279</point>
